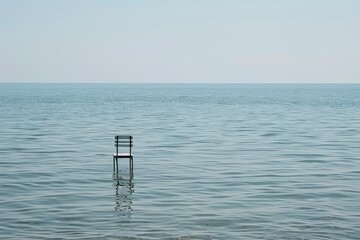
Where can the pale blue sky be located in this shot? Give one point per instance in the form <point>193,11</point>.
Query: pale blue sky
<point>235,41</point>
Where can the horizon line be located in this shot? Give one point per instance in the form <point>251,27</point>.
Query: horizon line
<point>296,83</point>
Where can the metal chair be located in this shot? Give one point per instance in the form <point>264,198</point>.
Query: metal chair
<point>123,141</point>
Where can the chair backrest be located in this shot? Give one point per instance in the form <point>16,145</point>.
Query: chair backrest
<point>123,141</point>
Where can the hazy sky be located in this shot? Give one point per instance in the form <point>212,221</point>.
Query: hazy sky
<point>251,41</point>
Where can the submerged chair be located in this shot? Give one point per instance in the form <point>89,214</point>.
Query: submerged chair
<point>126,142</point>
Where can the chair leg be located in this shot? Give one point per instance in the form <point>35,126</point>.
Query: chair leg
<point>113,164</point>
<point>117,167</point>
<point>132,167</point>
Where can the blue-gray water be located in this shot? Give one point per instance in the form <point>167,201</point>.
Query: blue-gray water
<point>211,161</point>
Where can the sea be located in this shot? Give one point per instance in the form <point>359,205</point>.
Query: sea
<point>211,161</point>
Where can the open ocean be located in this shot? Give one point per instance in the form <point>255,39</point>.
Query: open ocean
<point>212,161</point>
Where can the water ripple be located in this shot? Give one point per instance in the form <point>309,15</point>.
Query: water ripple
<point>210,163</point>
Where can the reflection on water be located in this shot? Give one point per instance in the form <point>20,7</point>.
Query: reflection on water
<point>123,201</point>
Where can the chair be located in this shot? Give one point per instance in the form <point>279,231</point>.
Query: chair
<point>123,141</point>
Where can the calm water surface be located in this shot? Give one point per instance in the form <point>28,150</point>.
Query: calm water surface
<point>211,161</point>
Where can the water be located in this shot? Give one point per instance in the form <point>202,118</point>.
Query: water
<point>211,161</point>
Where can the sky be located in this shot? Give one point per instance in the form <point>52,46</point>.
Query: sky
<point>180,41</point>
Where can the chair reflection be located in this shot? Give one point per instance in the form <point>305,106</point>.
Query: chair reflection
<point>123,201</point>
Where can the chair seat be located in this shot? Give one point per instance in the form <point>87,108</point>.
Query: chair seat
<point>122,155</point>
